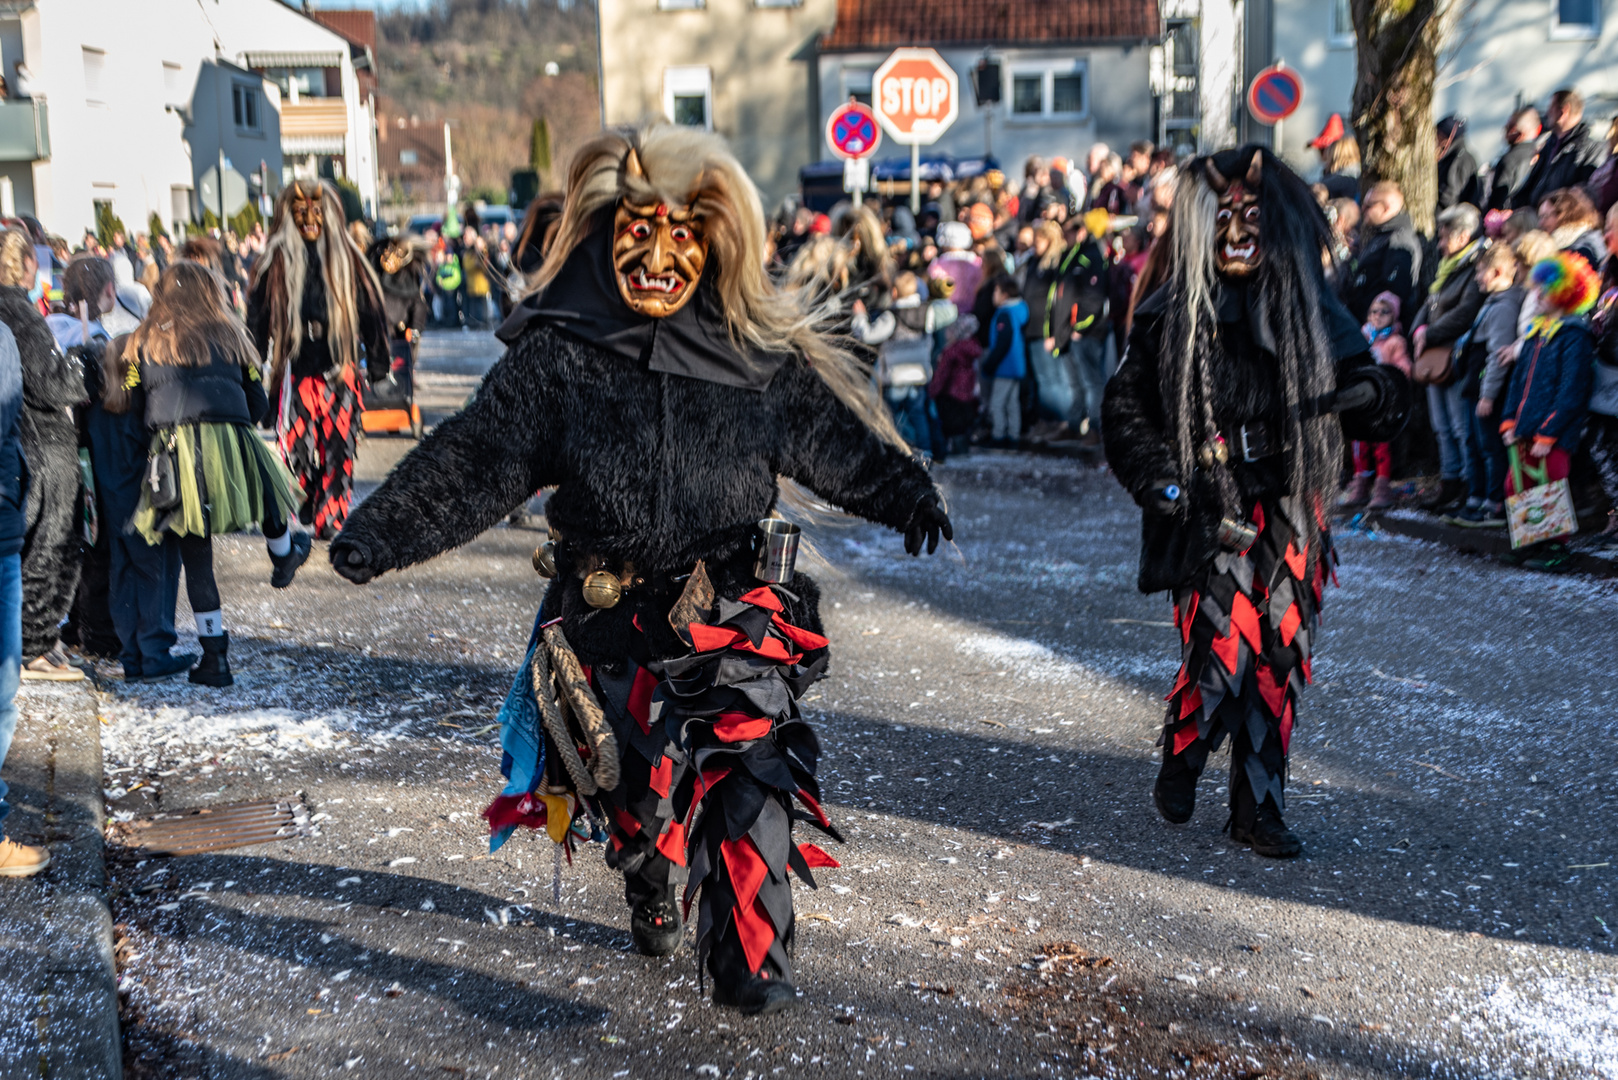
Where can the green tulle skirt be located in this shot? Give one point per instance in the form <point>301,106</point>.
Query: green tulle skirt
<point>228,479</point>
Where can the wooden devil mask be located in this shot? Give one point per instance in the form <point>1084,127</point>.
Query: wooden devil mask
<point>306,211</point>
<point>1238,244</point>
<point>658,251</point>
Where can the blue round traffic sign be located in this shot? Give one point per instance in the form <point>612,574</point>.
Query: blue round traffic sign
<point>1275,94</point>
<point>852,131</point>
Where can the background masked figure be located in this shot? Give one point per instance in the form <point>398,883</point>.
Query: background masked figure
<point>316,312</point>
<point>660,383</point>
<point>1220,422</point>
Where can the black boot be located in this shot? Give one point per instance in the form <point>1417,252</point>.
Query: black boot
<point>1260,826</point>
<point>214,667</point>
<point>286,566</point>
<point>1176,790</point>
<point>734,985</point>
<point>655,925</point>
<point>1451,495</point>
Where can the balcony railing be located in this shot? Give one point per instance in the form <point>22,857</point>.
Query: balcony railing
<point>25,133</point>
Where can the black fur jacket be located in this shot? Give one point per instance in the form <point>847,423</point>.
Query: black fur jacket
<point>1246,385</point>
<point>651,469</point>
<point>51,384</point>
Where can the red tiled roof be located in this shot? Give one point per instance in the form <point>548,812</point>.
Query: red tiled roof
<point>886,24</point>
<point>358,27</point>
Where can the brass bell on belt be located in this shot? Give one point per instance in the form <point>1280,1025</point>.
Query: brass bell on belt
<point>1215,451</point>
<point>545,559</point>
<point>602,590</point>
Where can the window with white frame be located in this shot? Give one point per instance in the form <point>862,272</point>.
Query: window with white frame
<point>688,96</point>
<point>407,157</point>
<point>95,69</point>
<point>244,106</point>
<point>1575,19</point>
<point>1055,91</point>
<point>777,3</point>
<point>680,5</point>
<point>1340,27</point>
<point>174,84</point>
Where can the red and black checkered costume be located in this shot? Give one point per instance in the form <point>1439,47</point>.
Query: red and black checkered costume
<point>1225,422</point>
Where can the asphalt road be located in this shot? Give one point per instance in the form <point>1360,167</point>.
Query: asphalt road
<point>1009,904</point>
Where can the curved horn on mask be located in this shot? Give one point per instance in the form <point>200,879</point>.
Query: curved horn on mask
<point>1216,179</point>
<point>1255,171</point>
<point>632,166</point>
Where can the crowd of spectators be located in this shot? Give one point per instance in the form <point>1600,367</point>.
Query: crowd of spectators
<point>996,314</point>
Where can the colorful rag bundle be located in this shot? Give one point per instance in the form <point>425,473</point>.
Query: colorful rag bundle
<point>1569,283</point>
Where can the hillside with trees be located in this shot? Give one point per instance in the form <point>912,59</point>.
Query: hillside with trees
<point>482,65</point>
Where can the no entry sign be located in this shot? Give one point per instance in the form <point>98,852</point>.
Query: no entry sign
<point>916,95</point>
<point>1274,95</point>
<point>852,131</point>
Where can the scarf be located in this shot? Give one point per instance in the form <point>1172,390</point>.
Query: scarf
<point>1448,265</point>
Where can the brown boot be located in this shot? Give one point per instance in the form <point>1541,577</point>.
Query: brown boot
<point>1382,495</point>
<point>1358,490</point>
<point>20,860</point>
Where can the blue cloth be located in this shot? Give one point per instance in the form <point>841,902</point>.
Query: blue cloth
<point>1550,386</point>
<point>522,739</point>
<point>1007,357</point>
<point>13,466</point>
<point>10,655</point>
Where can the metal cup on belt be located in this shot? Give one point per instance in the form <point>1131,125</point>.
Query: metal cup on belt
<point>777,550</point>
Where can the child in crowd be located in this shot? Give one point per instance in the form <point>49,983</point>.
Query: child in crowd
<point>1006,361</point>
<point>204,393</point>
<point>1549,391</point>
<point>954,386</point>
<point>1373,462</point>
<point>902,336</point>
<point>1487,352</point>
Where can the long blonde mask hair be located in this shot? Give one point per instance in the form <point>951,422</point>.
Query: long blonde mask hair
<point>685,167</point>
<point>342,261</point>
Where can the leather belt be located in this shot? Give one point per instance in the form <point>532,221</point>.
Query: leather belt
<point>1253,441</point>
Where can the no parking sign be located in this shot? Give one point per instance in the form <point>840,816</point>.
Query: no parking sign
<point>1275,94</point>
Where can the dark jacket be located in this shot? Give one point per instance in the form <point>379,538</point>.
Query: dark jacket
<point>1564,162</point>
<point>1389,258</point>
<point>1247,386</point>
<point>1458,178</point>
<point>1342,185</point>
<point>1549,393</point>
<point>51,384</point>
<point>219,392</point>
<point>1080,305</point>
<point>119,443</point>
<point>314,354</point>
<point>404,300</point>
<point>13,465</point>
<point>1450,310</point>
<point>1510,174</point>
<point>1039,291</point>
<point>1592,246</point>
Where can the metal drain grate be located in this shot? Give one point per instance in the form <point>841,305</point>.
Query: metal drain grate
<point>215,828</point>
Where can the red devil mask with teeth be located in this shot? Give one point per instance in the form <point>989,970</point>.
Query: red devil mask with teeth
<point>658,252</point>
<point>1238,245</point>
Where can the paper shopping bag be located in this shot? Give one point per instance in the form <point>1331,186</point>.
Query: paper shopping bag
<point>1539,513</point>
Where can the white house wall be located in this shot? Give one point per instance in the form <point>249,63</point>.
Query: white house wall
<point>1502,52</point>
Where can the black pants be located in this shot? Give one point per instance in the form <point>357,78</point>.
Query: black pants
<point>196,555</point>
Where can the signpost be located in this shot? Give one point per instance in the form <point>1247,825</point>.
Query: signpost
<point>853,133</point>
<point>917,97</point>
<point>1274,94</point>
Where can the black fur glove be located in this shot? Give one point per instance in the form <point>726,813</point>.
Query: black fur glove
<point>927,522</point>
<point>352,559</point>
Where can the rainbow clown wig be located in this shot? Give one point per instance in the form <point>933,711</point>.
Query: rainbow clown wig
<point>1568,283</point>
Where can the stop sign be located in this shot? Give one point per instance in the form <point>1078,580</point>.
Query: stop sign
<point>916,96</point>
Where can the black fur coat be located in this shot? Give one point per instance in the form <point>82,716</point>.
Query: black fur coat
<point>1246,386</point>
<point>652,469</point>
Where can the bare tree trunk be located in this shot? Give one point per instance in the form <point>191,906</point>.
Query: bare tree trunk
<point>1398,45</point>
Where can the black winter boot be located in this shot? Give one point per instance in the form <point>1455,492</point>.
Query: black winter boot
<point>1260,827</point>
<point>655,925</point>
<point>1176,790</point>
<point>286,566</point>
<point>214,667</point>
<point>734,985</point>
<point>1451,495</point>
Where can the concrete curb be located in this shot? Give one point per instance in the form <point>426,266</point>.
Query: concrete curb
<point>1485,542</point>
<point>79,996</point>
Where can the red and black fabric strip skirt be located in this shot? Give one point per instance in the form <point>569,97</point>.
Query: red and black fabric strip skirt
<point>319,427</point>
<point>1247,625</point>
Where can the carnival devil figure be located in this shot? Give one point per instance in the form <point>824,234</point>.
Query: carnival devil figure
<point>316,312</point>
<point>660,383</point>
<point>1225,422</point>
